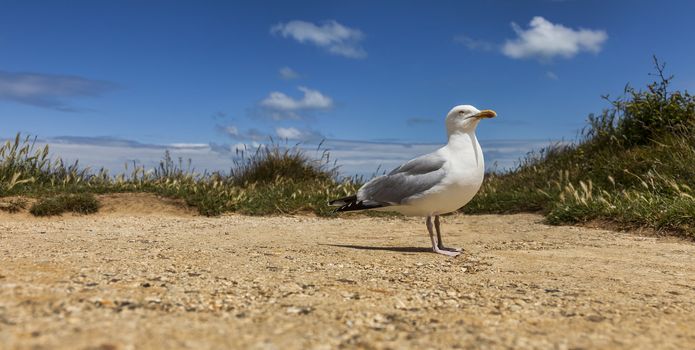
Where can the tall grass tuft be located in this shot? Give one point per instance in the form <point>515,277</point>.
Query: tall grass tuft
<point>270,163</point>
<point>633,166</point>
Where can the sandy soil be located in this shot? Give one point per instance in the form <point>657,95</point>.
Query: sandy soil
<point>154,275</point>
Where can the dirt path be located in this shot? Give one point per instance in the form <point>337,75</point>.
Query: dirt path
<point>137,280</point>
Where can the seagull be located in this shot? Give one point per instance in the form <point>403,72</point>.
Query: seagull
<point>433,184</point>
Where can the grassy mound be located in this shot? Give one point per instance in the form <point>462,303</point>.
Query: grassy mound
<point>634,167</point>
<point>273,180</point>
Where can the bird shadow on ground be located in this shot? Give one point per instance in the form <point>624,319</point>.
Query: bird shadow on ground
<point>393,249</point>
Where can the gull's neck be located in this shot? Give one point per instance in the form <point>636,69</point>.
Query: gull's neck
<point>462,139</point>
<point>465,143</point>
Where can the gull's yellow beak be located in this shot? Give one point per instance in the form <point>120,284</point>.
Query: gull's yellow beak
<point>488,113</point>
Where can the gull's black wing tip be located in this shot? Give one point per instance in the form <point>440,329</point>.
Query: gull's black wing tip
<point>351,204</point>
<point>343,201</point>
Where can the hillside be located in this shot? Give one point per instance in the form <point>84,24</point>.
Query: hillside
<point>632,168</point>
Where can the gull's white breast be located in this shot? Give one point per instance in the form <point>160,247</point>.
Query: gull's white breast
<point>464,169</point>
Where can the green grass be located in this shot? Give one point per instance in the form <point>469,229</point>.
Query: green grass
<point>633,167</point>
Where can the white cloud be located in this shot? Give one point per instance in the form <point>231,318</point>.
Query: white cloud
<point>280,106</point>
<point>474,44</point>
<point>545,40</point>
<point>298,135</point>
<point>288,73</point>
<point>288,133</point>
<point>552,76</point>
<point>188,145</point>
<point>330,35</point>
<point>312,99</point>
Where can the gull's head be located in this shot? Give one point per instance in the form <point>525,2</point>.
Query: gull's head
<point>464,118</point>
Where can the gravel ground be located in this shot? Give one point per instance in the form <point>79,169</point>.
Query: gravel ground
<point>152,275</point>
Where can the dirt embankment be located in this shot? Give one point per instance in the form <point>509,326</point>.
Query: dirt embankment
<point>150,277</point>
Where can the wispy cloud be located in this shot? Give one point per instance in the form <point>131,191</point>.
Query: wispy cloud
<point>552,76</point>
<point>233,132</point>
<point>281,106</point>
<point>219,115</point>
<point>545,40</point>
<point>49,90</point>
<point>288,133</point>
<point>312,99</point>
<point>107,141</point>
<point>419,121</point>
<point>288,73</point>
<point>230,130</point>
<point>295,134</point>
<point>329,35</point>
<point>474,44</point>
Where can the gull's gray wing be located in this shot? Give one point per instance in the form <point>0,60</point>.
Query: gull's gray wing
<point>414,177</point>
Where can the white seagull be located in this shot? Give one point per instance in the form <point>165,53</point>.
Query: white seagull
<point>433,184</point>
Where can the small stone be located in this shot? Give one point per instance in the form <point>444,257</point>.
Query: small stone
<point>298,310</point>
<point>595,318</point>
<point>349,295</point>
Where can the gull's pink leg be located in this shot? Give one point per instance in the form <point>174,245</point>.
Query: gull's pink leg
<point>440,244</point>
<point>435,248</point>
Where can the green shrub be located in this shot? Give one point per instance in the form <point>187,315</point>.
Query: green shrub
<point>47,207</point>
<point>82,203</point>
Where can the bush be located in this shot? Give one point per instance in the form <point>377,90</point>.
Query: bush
<point>47,207</point>
<point>82,203</point>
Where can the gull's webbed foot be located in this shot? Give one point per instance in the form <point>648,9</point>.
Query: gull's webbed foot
<point>457,250</point>
<point>446,252</point>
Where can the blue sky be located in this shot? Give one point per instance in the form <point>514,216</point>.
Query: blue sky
<point>194,73</point>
